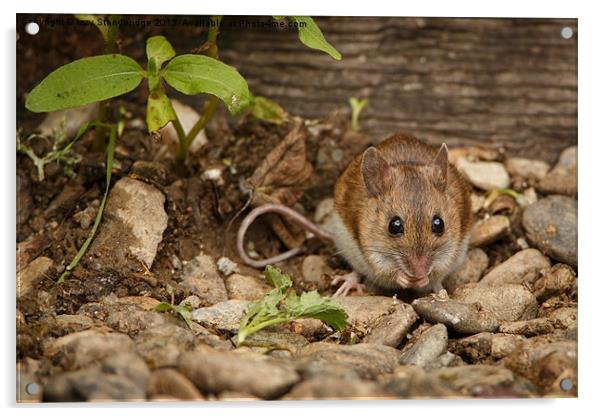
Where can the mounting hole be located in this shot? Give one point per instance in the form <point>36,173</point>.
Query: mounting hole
<point>32,28</point>
<point>32,388</point>
<point>566,32</point>
<point>566,384</point>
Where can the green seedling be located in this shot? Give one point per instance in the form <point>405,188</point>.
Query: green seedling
<point>282,304</point>
<point>357,106</point>
<point>183,311</point>
<point>61,155</point>
<point>99,78</point>
<point>114,131</point>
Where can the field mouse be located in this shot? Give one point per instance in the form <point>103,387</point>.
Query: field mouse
<point>402,215</point>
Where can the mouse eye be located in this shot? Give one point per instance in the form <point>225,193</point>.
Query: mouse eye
<point>396,226</point>
<point>437,225</point>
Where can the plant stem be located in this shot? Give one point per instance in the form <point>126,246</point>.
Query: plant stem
<point>242,335</point>
<point>110,43</point>
<point>84,247</point>
<point>211,105</point>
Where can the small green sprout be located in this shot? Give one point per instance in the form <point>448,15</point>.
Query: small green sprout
<point>61,155</point>
<point>184,311</point>
<point>282,305</point>
<point>357,105</point>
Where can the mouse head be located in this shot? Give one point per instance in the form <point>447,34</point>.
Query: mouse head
<point>411,232</point>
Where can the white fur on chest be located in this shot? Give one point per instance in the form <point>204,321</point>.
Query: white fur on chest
<point>348,247</point>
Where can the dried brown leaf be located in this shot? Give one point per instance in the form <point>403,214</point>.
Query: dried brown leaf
<point>280,179</point>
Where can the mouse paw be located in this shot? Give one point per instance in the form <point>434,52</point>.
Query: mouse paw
<point>351,282</point>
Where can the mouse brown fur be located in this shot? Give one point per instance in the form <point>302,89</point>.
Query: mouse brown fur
<point>402,177</point>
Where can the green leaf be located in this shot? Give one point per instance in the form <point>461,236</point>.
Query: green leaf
<point>196,74</point>
<point>182,310</point>
<point>159,110</point>
<point>85,81</point>
<point>158,47</point>
<point>311,35</point>
<point>277,279</point>
<point>282,305</point>
<point>312,305</point>
<point>267,110</point>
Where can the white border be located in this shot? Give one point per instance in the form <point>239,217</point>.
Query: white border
<point>589,184</point>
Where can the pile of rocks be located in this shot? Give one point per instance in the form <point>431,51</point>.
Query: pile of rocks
<point>506,327</point>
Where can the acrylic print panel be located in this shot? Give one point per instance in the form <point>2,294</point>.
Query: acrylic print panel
<point>145,142</point>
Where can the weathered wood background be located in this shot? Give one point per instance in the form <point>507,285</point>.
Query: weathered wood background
<point>491,82</point>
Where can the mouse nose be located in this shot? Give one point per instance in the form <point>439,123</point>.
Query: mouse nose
<point>419,266</point>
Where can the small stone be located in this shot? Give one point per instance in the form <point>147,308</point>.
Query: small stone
<point>537,326</point>
<point>200,276</point>
<point>414,382</point>
<point>188,118</point>
<point>556,281</point>
<point>227,266</point>
<point>508,303</point>
<point>469,272</point>
<point>563,178</point>
<point>528,197</point>
<point>80,349</point>
<point>131,319</point>
<point>524,266</point>
<point>484,175</point>
<point>488,230</point>
<point>313,267</point>
<point>465,318</point>
<point>132,227</point>
<point>244,287</point>
<point>503,345</point>
<point>67,121</point>
<point>161,346</point>
<point>146,303</point>
<point>128,365</point>
<point>481,380</point>
<point>224,316</point>
<point>91,385</point>
<point>551,225</point>
<point>30,249</point>
<point>364,311</point>
<point>325,215</point>
<point>87,216</point>
<point>334,388</point>
<point>475,348</point>
<point>217,371</point>
<point>33,272</point>
<point>275,339</point>
<point>546,364</point>
<point>391,329</point>
<point>527,168</point>
<point>429,345</point>
<point>73,323</point>
<point>367,360</point>
<point>193,301</point>
<point>167,381</point>
<point>150,171</point>
<point>565,318</point>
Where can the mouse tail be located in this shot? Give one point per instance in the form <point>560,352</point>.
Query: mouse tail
<point>290,214</point>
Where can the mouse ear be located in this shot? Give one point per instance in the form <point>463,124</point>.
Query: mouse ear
<point>440,165</point>
<point>375,171</point>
